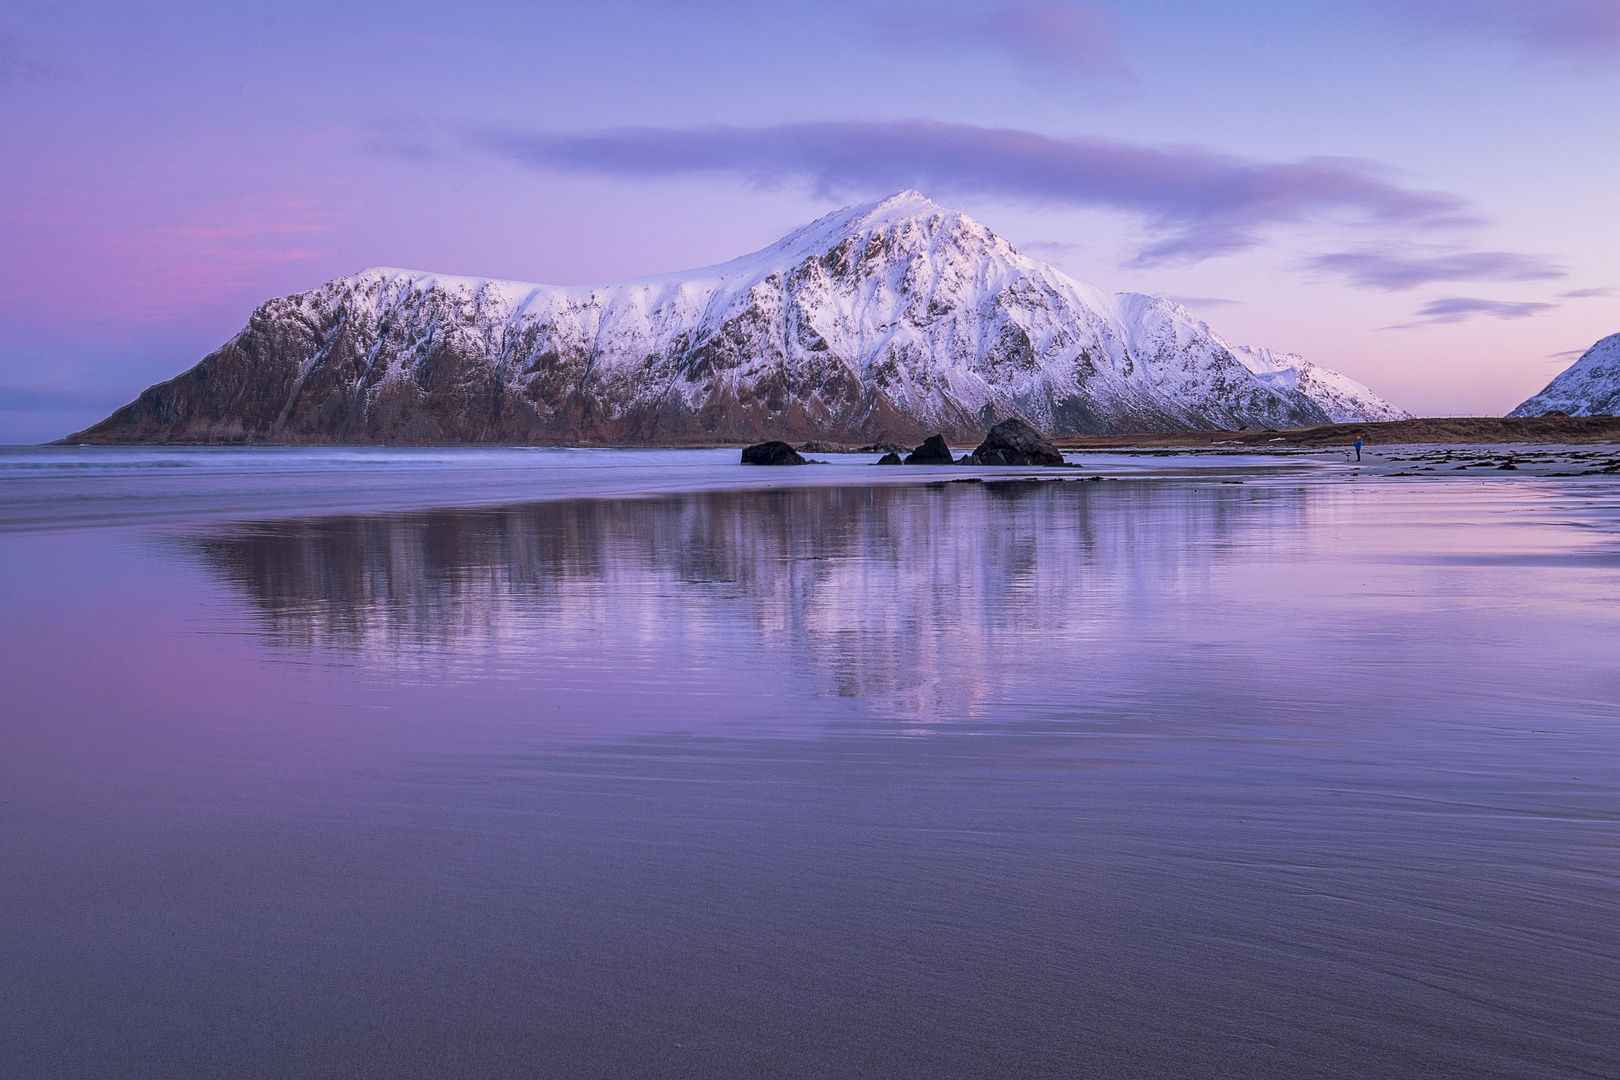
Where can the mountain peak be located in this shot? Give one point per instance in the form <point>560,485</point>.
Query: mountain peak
<point>886,321</point>
<point>880,215</point>
<point>901,206</point>
<point>904,225</point>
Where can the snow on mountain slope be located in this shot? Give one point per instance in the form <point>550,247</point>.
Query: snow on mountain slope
<point>1343,399</point>
<point>1588,387</point>
<point>886,321</point>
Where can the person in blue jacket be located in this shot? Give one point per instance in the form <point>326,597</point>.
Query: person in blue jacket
<point>1358,447</point>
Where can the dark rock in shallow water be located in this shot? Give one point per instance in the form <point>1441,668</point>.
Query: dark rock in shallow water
<point>933,451</point>
<point>771,453</point>
<point>882,448</point>
<point>818,446</point>
<point>1015,442</point>
<point>891,458</point>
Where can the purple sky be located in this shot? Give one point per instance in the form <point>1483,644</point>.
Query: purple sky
<point>1419,193</point>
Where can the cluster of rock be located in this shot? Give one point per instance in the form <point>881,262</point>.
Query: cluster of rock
<point>1011,442</point>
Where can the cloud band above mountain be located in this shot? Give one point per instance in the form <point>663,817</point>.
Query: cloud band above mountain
<point>1199,203</point>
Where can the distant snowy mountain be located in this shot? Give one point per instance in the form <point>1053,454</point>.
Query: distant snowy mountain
<point>887,321</point>
<point>1589,387</point>
<point>1343,399</point>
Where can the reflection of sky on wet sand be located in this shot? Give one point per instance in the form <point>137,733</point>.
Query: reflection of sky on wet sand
<point>917,604</point>
<point>1137,778</point>
<point>948,603</point>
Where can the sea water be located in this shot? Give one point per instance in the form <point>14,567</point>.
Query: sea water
<point>490,763</point>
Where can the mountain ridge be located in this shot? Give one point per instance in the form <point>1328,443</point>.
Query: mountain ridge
<point>884,321</point>
<point>1588,387</point>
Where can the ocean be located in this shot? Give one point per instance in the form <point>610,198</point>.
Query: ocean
<point>604,763</point>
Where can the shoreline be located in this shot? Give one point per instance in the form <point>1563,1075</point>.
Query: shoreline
<point>182,488</point>
<point>1421,431</point>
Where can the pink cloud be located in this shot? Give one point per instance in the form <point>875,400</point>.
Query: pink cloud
<point>1074,38</point>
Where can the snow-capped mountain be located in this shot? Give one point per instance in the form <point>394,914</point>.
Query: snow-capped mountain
<point>1588,387</point>
<point>886,321</point>
<point>1343,399</point>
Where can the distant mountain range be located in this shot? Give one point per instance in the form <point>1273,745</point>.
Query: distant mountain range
<point>1589,387</point>
<point>882,322</point>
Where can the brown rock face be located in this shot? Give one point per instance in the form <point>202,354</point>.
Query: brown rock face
<point>298,374</point>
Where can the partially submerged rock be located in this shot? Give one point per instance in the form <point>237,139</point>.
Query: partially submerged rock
<point>882,448</point>
<point>1015,442</point>
<point>820,446</point>
<point>891,458</point>
<point>771,453</point>
<point>933,451</point>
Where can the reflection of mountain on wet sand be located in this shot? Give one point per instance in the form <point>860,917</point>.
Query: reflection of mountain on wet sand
<point>919,600</point>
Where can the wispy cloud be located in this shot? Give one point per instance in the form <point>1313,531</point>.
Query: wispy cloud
<point>1393,272</point>
<point>1456,309</point>
<point>1587,294</point>
<point>1581,30</point>
<point>408,138</point>
<point>1049,249</point>
<point>1198,203</point>
<point>1073,38</point>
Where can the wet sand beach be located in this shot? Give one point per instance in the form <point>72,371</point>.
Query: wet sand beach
<point>598,763</point>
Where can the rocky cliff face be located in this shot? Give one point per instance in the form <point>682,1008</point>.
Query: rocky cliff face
<point>883,322</point>
<point>1588,387</point>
